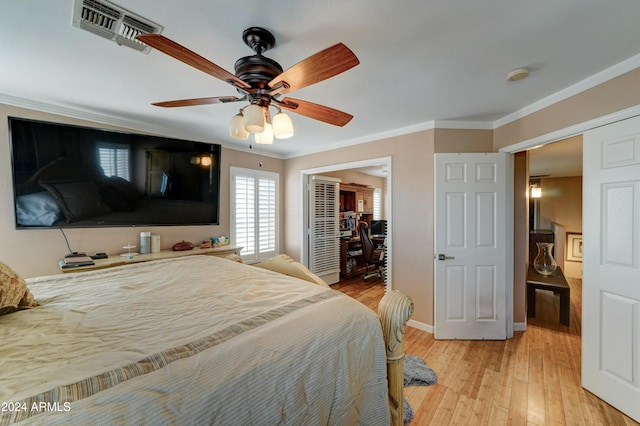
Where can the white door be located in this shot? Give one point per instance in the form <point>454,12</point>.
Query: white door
<point>473,246</point>
<point>611,265</point>
<point>324,227</point>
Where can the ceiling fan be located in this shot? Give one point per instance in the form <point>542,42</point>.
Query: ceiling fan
<point>261,81</point>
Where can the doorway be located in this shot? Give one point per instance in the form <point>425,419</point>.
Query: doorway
<point>555,216</point>
<point>608,357</point>
<point>380,167</point>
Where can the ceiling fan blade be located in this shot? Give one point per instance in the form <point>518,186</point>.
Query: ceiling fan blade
<point>189,57</point>
<point>321,66</point>
<point>196,101</point>
<point>315,111</point>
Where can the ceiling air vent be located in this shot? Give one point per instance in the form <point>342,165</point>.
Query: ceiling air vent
<point>113,22</point>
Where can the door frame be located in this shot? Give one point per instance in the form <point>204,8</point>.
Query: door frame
<point>304,220</point>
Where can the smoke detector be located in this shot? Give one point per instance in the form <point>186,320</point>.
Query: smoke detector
<point>113,22</point>
<point>518,74</point>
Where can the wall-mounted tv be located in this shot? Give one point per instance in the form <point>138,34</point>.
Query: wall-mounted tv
<point>70,176</point>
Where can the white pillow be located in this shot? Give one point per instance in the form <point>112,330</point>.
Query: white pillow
<point>284,264</point>
<point>37,209</point>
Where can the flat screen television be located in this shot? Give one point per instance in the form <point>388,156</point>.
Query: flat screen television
<point>70,176</point>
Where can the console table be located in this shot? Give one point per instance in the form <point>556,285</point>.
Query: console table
<point>555,282</point>
<point>117,260</point>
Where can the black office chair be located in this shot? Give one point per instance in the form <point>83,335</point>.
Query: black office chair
<point>373,257</point>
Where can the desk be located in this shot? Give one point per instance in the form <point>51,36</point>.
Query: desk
<point>351,258</point>
<point>554,282</point>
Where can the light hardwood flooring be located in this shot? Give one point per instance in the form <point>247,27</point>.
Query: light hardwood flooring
<point>532,379</point>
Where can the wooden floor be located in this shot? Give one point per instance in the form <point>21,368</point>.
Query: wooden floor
<point>532,379</point>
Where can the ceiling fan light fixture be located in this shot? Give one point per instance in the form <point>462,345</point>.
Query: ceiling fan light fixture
<point>254,120</point>
<point>261,81</point>
<point>282,126</point>
<point>236,127</point>
<point>265,137</point>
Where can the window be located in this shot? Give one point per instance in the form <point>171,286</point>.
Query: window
<point>377,204</point>
<point>114,159</point>
<point>254,213</point>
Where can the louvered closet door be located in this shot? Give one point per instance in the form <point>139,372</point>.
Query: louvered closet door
<point>324,242</point>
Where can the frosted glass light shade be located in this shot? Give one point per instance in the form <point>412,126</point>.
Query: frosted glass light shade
<point>266,137</point>
<point>536,192</point>
<point>254,120</point>
<point>282,126</point>
<point>206,160</point>
<point>236,127</point>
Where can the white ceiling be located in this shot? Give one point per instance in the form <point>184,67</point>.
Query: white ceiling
<point>558,159</point>
<point>422,62</point>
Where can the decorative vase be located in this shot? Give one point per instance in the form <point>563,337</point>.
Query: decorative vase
<point>544,262</point>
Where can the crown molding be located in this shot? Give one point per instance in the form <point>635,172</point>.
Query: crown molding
<point>574,130</point>
<point>579,87</point>
<point>75,113</point>
<point>401,131</point>
<point>464,125</point>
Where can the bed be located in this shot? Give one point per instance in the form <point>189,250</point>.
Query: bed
<point>199,340</point>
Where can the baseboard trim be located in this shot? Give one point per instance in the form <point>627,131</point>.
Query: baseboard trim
<point>420,326</point>
<point>519,326</point>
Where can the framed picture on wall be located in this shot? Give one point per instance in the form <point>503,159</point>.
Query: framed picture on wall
<point>574,247</point>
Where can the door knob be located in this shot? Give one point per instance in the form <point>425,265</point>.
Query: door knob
<point>444,257</point>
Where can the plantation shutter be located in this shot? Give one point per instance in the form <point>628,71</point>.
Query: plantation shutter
<point>254,213</point>
<point>114,159</point>
<point>324,243</point>
<point>377,204</point>
<point>245,215</point>
<point>267,219</point>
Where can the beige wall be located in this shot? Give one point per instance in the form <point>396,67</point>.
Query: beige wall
<point>36,252</point>
<point>561,203</point>
<point>460,140</point>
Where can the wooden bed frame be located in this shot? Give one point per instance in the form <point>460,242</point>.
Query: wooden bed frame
<point>394,311</point>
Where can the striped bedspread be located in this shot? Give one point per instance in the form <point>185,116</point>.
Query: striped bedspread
<point>193,340</point>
